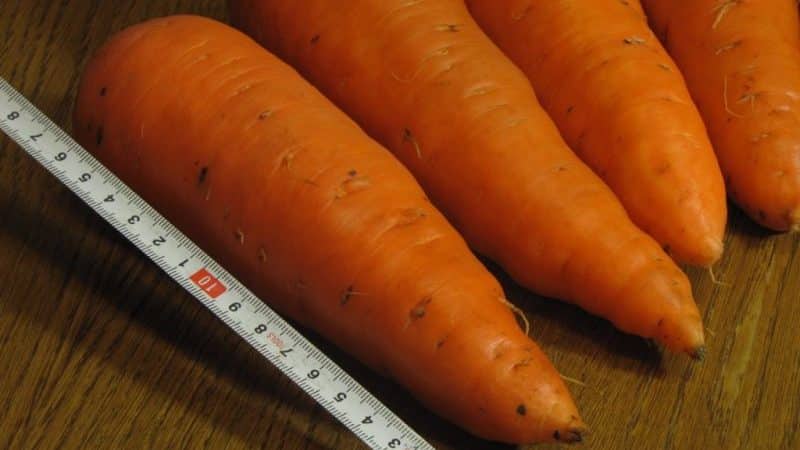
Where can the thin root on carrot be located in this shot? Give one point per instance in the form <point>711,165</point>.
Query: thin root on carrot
<point>519,313</point>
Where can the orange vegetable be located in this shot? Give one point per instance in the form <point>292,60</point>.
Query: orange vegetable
<point>423,79</point>
<point>741,60</point>
<point>622,105</point>
<point>282,188</point>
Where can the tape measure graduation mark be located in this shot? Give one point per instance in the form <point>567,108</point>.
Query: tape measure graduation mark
<point>199,274</point>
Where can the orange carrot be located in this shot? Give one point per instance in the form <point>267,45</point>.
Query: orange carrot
<point>423,79</point>
<point>261,170</point>
<point>622,105</point>
<point>741,60</point>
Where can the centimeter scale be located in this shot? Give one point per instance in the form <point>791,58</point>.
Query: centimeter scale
<point>199,274</point>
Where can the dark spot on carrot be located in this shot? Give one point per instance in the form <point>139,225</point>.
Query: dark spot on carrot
<point>762,215</point>
<point>440,342</point>
<point>346,295</point>
<point>314,39</point>
<point>665,67</point>
<point>521,410</point>
<point>409,137</point>
<point>99,138</point>
<point>103,91</point>
<point>264,114</point>
<point>660,322</point>
<point>448,27</point>
<point>418,311</point>
<point>556,435</point>
<point>352,172</point>
<point>570,108</point>
<point>201,177</point>
<point>562,169</point>
<point>522,363</point>
<point>633,40</point>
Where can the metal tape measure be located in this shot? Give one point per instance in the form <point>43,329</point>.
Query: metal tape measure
<point>199,274</point>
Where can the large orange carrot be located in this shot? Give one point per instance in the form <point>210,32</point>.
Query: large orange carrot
<point>741,60</point>
<point>267,175</point>
<point>423,79</point>
<point>622,105</point>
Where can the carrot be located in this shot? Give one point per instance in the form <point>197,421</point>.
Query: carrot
<point>741,60</point>
<point>622,105</point>
<point>423,80</point>
<point>286,191</point>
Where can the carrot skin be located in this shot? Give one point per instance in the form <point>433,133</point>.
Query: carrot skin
<point>741,60</point>
<point>283,189</point>
<point>424,80</point>
<point>622,105</point>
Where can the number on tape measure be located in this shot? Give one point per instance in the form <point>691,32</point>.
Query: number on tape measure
<point>199,274</point>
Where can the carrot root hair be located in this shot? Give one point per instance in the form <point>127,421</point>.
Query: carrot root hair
<point>721,10</point>
<point>520,314</point>
<point>714,278</point>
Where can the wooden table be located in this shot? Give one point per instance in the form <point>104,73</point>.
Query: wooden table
<point>99,349</point>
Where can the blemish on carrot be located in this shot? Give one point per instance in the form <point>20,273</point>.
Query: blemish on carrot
<point>352,173</point>
<point>239,234</point>
<point>99,137</point>
<point>201,177</point>
<point>449,27</point>
<point>418,311</point>
<point>264,114</point>
<point>352,185</point>
<point>521,410</point>
<point>408,216</point>
<point>262,255</point>
<point>440,342</point>
<point>570,108</point>
<point>521,15</point>
<point>346,295</point>
<point>665,67</point>
<point>314,39</point>
<point>634,40</point>
<point>409,137</point>
<point>523,363</point>
<point>103,91</point>
<point>728,47</point>
<point>722,10</point>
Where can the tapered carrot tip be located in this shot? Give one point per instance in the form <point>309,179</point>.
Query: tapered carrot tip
<point>682,334</point>
<point>572,433</point>
<point>699,353</point>
<point>712,251</point>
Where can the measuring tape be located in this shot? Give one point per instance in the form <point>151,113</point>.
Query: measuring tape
<point>199,274</point>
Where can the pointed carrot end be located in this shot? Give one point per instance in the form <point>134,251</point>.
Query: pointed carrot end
<point>698,353</point>
<point>713,250</point>
<point>572,432</point>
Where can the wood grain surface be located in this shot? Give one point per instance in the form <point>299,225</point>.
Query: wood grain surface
<point>99,349</point>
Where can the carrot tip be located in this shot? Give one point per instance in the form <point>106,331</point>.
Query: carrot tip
<point>714,248</point>
<point>570,436</point>
<point>698,353</point>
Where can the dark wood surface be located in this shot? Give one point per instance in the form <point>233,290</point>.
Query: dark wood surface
<point>99,349</point>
